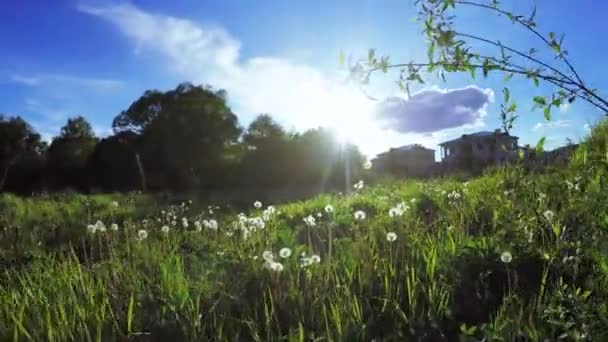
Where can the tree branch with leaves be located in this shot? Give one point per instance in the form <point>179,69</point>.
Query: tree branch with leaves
<point>449,51</point>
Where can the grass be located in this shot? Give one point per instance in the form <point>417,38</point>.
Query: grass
<point>447,276</point>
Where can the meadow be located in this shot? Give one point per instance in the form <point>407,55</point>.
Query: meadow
<point>509,256</point>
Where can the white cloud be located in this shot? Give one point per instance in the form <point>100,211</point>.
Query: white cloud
<point>54,80</point>
<point>297,95</point>
<point>564,107</point>
<point>558,124</point>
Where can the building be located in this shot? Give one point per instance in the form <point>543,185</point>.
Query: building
<point>474,152</point>
<point>410,160</point>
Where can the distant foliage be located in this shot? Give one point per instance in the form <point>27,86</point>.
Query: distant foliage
<point>182,140</point>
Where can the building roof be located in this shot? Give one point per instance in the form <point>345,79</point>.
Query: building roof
<point>405,148</point>
<point>481,134</point>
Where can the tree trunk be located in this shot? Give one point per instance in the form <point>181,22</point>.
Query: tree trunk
<point>4,176</point>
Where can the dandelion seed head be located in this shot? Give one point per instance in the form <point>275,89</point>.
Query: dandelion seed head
<point>165,229</point>
<point>549,215</point>
<point>257,204</point>
<point>310,221</point>
<point>506,257</point>
<point>285,252</point>
<point>391,236</point>
<point>268,256</point>
<point>114,227</point>
<point>114,204</point>
<point>329,209</point>
<point>315,258</point>
<point>142,234</point>
<point>359,215</point>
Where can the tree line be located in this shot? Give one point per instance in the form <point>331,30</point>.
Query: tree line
<point>181,140</point>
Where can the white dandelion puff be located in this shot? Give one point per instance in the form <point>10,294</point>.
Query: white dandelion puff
<point>268,256</point>
<point>257,204</point>
<point>165,229</point>
<point>285,252</point>
<point>315,258</point>
<point>506,257</point>
<point>549,215</point>
<point>310,221</point>
<point>114,227</point>
<point>142,234</point>
<point>329,209</point>
<point>391,236</point>
<point>359,215</point>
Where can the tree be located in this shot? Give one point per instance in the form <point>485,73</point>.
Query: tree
<point>262,128</point>
<point>451,50</point>
<point>113,164</point>
<point>69,153</point>
<point>183,135</point>
<point>17,139</point>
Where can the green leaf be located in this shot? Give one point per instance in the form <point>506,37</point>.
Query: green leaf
<point>507,94</point>
<point>535,80</point>
<point>552,35</point>
<point>540,145</point>
<point>547,113</point>
<point>539,100</point>
<point>508,77</point>
<point>512,108</point>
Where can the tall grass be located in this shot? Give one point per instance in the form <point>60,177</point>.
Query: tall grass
<point>447,276</point>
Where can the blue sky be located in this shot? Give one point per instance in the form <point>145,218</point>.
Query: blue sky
<point>94,58</point>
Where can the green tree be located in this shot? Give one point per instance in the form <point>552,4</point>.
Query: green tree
<point>183,135</point>
<point>17,140</point>
<point>69,153</point>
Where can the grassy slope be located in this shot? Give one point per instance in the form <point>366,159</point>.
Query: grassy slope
<point>442,278</point>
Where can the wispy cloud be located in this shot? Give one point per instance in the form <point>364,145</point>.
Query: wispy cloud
<point>65,80</point>
<point>557,124</point>
<point>298,95</point>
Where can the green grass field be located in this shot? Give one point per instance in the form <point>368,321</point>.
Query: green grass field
<point>507,256</point>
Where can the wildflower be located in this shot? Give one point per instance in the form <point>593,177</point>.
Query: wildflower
<point>257,204</point>
<point>267,255</point>
<point>271,209</point>
<point>174,223</point>
<point>359,215</point>
<point>211,224</point>
<point>305,262</point>
<point>198,226</point>
<point>329,209</point>
<point>184,222</point>
<point>142,234</point>
<point>165,229</point>
<point>506,257</point>
<point>114,227</point>
<point>285,252</point>
<point>549,215</point>
<point>395,212</point>
<point>273,266</point>
<point>358,185</point>
<point>310,221</point>
<point>390,236</point>
<point>229,234</point>
<point>114,204</point>
<point>91,228</point>
<point>99,226</point>
<point>256,223</point>
<point>315,258</point>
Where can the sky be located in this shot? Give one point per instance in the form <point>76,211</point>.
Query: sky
<point>94,58</point>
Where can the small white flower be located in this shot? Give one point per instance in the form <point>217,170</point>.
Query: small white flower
<point>114,204</point>
<point>549,215</point>
<point>329,209</point>
<point>506,257</point>
<point>359,215</point>
<point>99,226</point>
<point>165,229</point>
<point>315,258</point>
<point>174,223</point>
<point>114,227</point>
<point>142,234</point>
<point>319,215</point>
<point>392,212</point>
<point>275,266</point>
<point>390,236</point>
<point>257,204</point>
<point>267,255</point>
<point>256,223</point>
<point>358,185</point>
<point>310,221</point>
<point>198,226</point>
<point>285,252</point>
<point>185,222</point>
<point>91,229</point>
<point>211,224</point>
